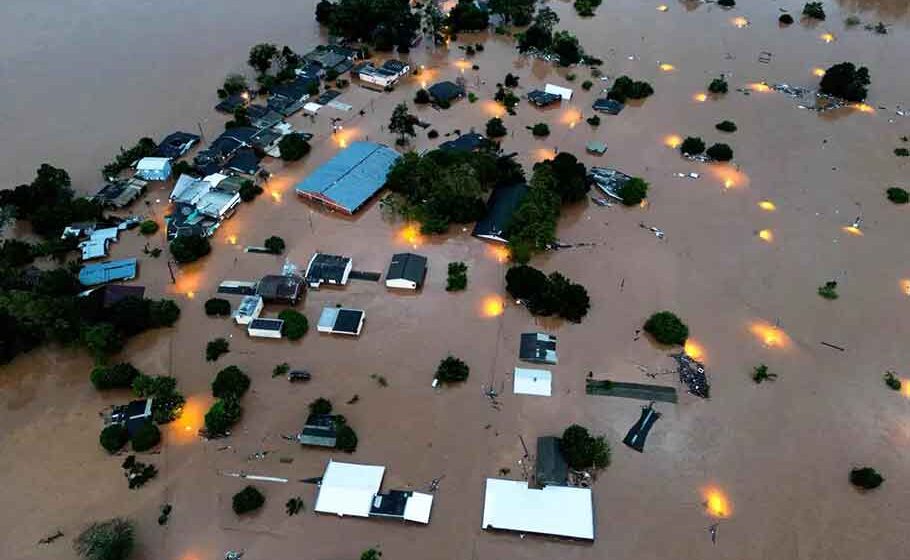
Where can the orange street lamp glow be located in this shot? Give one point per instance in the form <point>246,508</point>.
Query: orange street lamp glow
<point>493,306</point>
<point>864,108</point>
<point>276,196</point>
<point>905,387</point>
<point>729,176</point>
<point>905,286</point>
<point>740,22</point>
<point>701,97</point>
<point>766,235</point>
<point>853,230</point>
<point>770,335</point>
<point>827,37</point>
<point>667,67</point>
<point>717,504</point>
<point>694,350</point>
<point>498,252</point>
<point>759,86</point>
<point>767,206</point>
<point>191,295</point>
<point>672,141</point>
<point>818,72</point>
<point>232,239</point>
<point>410,234</point>
<point>728,183</point>
<point>662,8</point>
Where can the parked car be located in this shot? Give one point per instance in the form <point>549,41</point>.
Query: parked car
<point>299,375</point>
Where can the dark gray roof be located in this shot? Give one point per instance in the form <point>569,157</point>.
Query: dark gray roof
<point>551,465</point>
<point>465,143</point>
<point>542,98</point>
<point>609,106</point>
<point>232,102</point>
<point>348,321</point>
<point>502,204</point>
<point>327,268</point>
<point>538,347</point>
<point>390,504</point>
<point>262,116</point>
<point>638,433</point>
<point>267,324</point>
<point>408,266</point>
<point>446,91</point>
<point>280,288</point>
<point>394,65</point>
<point>319,431</point>
<point>244,160</point>
<point>176,144</point>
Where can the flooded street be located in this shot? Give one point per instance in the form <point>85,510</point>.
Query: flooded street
<point>80,81</point>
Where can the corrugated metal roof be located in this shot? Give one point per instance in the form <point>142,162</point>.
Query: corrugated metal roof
<point>350,178</point>
<point>94,274</point>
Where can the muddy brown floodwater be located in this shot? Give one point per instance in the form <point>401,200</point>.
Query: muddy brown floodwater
<point>81,80</point>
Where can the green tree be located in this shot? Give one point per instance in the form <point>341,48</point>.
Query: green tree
<point>866,478</point>
<point>667,328</point>
<point>148,227</point>
<point>102,340</point>
<point>247,500</point>
<point>422,97</point>
<point>167,402</point>
<point>760,373</point>
<point>320,406</point>
<point>452,370</point>
<point>217,307</point>
<point>119,376</point>
<point>222,416</point>
<point>402,124</point>
<point>249,190</point>
<point>457,277</point>
<point>189,248</point>
<point>718,85</point>
<point>726,126</point>
<point>230,382</point>
<point>274,245</point>
<point>525,282</point>
<point>633,191</point>
<point>371,554</point>
<point>108,540</point>
<point>846,81</point>
<point>814,10</point>
<point>692,146</point>
<point>345,439</point>
<point>466,16</point>
<point>146,437</point>
<point>293,146</point>
<point>261,56</point>
<point>583,450</point>
<point>324,12</point>
<point>569,177</point>
<point>495,128</point>
<point>828,290</point>
<point>234,84</point>
<point>113,438</point>
<point>566,46</point>
<point>540,130</point>
<point>720,152</point>
<point>216,348</point>
<point>624,88</point>
<point>898,195</point>
<point>295,324</point>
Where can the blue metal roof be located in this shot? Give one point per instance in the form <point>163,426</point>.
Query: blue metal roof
<point>351,177</point>
<point>100,273</point>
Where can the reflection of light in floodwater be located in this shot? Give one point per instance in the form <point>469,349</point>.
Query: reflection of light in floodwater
<point>818,72</point>
<point>729,183</point>
<point>410,234</point>
<point>492,108</point>
<point>905,387</point>
<point>667,67</point>
<point>827,37</point>
<point>767,205</point>
<point>694,350</point>
<point>740,22</point>
<point>571,117</point>
<point>463,64</point>
<point>191,294</point>
<point>853,230</point>
<point>276,196</point>
<point>728,175</point>
<point>662,8</point>
<point>493,306</point>
<point>232,239</point>
<point>499,252</point>
<point>766,235</point>
<point>759,86</point>
<point>192,418</point>
<point>701,97</point>
<point>672,141</point>
<point>769,335</point>
<point>864,108</point>
<point>905,286</point>
<point>542,154</point>
<point>717,504</point>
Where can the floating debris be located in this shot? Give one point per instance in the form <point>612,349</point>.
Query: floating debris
<point>692,374</point>
<point>658,233</point>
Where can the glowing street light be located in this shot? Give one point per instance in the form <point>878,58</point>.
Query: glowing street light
<point>662,8</point>
<point>818,72</point>
<point>717,504</point>
<point>740,22</point>
<point>667,67</point>
<point>766,235</point>
<point>701,97</point>
<point>493,306</point>
<point>767,206</point>
<point>673,141</point>
<point>827,37</point>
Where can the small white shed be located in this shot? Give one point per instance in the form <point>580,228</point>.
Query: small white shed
<point>565,93</point>
<point>535,382</point>
<point>154,168</point>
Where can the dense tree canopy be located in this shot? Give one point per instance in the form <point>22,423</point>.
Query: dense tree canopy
<point>583,450</point>
<point>518,12</point>
<point>667,328</point>
<point>48,202</point>
<point>385,23</point>
<point>293,146</point>
<point>108,540</point>
<point>846,81</point>
<point>295,324</point>
<point>570,176</point>
<point>247,500</point>
<point>548,295</point>
<point>452,370</point>
<point>624,88</point>
<point>222,416</point>
<point>633,191</point>
<point>230,382</point>
<point>466,16</point>
<point>189,248</point>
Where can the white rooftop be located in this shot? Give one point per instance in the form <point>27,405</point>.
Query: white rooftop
<point>532,382</point>
<point>189,190</point>
<point>553,510</point>
<point>348,489</point>
<point>565,93</point>
<point>418,507</point>
<point>153,163</point>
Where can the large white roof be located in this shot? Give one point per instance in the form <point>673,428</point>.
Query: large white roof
<point>553,510</point>
<point>348,489</point>
<point>418,507</point>
<point>532,382</point>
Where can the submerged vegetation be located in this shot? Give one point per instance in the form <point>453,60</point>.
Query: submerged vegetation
<point>452,370</point>
<point>667,328</point>
<point>457,279</point>
<point>582,450</point>
<point>847,81</point>
<point>548,295</point>
<point>625,88</point>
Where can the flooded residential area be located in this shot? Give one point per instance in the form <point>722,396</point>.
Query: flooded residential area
<point>773,423</point>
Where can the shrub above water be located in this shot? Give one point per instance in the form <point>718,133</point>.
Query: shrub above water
<point>667,328</point>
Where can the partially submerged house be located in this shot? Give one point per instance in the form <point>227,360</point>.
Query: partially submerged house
<point>407,271</point>
<point>154,168</point>
<point>186,221</point>
<point>608,106</point>
<point>244,161</point>
<point>340,320</point>
<point>445,92</point>
<point>502,204</point>
<point>351,178</point>
<point>276,288</point>
<point>98,243</point>
<point>372,76</point>
<point>551,468</point>
<point>262,116</point>
<point>200,205</point>
<point>542,98</point>
<point>609,181</point>
<point>331,57</point>
<point>265,328</point>
<point>249,309</point>
<point>564,93</point>
<point>233,102</point>
<point>537,382</point>
<point>176,144</point>
<point>553,510</point>
<point>351,489</point>
<point>538,347</point>
<point>120,193</point>
<point>596,147</point>
<point>110,271</point>
<point>470,142</point>
<point>320,430</point>
<point>133,415</point>
<point>287,99</point>
<point>328,269</point>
